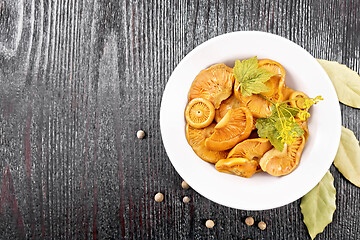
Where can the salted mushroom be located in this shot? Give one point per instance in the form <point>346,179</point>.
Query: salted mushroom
<point>278,163</point>
<point>238,166</point>
<point>214,84</point>
<point>196,138</point>
<point>234,127</point>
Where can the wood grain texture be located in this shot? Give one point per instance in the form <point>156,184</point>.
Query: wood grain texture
<point>78,78</point>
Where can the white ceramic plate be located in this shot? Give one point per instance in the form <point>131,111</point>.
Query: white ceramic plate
<point>261,191</point>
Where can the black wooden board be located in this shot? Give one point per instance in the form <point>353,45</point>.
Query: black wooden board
<point>79,78</point>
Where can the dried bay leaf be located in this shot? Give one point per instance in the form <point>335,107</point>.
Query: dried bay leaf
<point>347,159</point>
<point>345,81</point>
<point>318,205</point>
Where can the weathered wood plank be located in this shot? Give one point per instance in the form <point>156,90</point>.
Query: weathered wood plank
<point>79,78</point>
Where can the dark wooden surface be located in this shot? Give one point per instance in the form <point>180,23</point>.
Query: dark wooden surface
<point>78,78</point>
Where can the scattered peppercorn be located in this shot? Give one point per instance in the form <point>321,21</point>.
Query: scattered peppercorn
<point>184,185</point>
<point>159,197</point>
<point>249,221</point>
<point>140,134</point>
<point>186,199</point>
<point>262,225</point>
<point>210,223</point>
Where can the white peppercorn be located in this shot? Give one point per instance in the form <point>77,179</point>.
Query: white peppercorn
<point>210,223</point>
<point>262,225</point>
<point>159,197</point>
<point>186,199</point>
<point>140,134</point>
<point>249,221</point>
<point>184,185</point>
